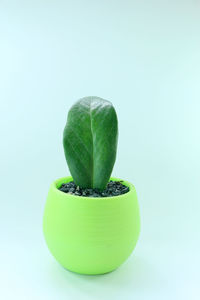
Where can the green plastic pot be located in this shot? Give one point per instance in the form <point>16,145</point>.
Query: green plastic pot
<point>91,235</point>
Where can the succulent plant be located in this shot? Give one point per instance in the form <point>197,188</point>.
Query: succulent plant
<point>90,141</point>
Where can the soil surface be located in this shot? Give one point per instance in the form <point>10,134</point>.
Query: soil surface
<point>114,188</point>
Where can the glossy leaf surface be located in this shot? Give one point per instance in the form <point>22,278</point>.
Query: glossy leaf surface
<point>90,141</point>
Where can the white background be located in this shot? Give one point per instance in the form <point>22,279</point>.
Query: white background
<point>144,56</point>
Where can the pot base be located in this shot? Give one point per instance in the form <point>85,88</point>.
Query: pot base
<point>90,274</point>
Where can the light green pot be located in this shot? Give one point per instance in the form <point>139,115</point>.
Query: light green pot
<point>91,235</point>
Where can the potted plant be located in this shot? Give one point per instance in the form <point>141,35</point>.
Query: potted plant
<point>91,221</point>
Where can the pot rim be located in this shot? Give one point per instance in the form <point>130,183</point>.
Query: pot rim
<point>56,183</point>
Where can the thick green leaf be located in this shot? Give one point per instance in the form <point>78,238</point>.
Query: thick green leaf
<point>90,141</point>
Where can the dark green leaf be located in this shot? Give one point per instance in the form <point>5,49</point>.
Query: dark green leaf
<point>90,141</point>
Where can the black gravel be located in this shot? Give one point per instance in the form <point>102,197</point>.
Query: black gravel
<point>114,188</point>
